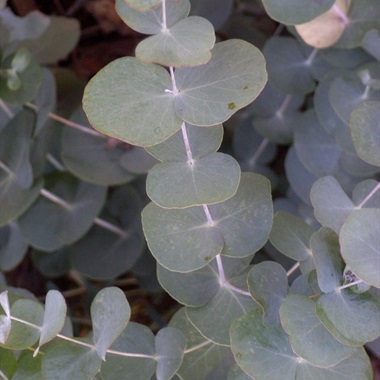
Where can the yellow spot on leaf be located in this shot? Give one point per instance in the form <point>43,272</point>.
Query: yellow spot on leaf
<point>231,106</point>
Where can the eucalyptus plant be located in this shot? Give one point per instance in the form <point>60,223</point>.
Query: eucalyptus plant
<point>271,289</point>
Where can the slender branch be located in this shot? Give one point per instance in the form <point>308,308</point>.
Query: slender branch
<point>341,15</point>
<point>237,290</point>
<point>2,375</point>
<point>79,342</point>
<point>284,105</point>
<point>69,123</point>
<point>131,355</point>
<point>187,144</point>
<point>55,199</point>
<point>224,282</point>
<point>198,346</point>
<point>6,109</point>
<point>222,276</point>
<point>311,57</point>
<point>100,222</point>
<point>164,25</point>
<point>210,221</point>
<point>260,150</point>
<point>55,162</point>
<point>369,196</point>
<point>6,168</point>
<point>174,84</point>
<point>350,284</point>
<point>292,269</point>
<point>26,323</point>
<point>366,92</point>
<point>111,227</point>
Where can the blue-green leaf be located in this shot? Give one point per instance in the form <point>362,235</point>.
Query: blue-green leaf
<point>210,94</point>
<point>23,335</point>
<point>202,141</point>
<point>214,319</point>
<point>203,355</point>
<point>127,100</point>
<point>331,204</point>
<point>110,313</point>
<point>328,261</point>
<point>170,346</point>
<point>67,360</point>
<point>135,339</point>
<point>180,240</point>
<point>66,217</point>
<point>308,337</point>
<point>294,11</point>
<point>202,181</point>
<point>291,236</point>
<point>186,43</point>
<point>145,16</point>
<point>365,131</point>
<point>268,285</point>
<point>360,242</point>
<point>54,317</point>
<point>352,318</point>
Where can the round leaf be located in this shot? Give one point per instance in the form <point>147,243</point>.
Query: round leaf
<point>90,158</point>
<point>308,337</point>
<point>180,240</point>
<point>326,29</point>
<point>317,151</point>
<point>170,346</point>
<point>202,141</point>
<point>192,289</point>
<point>198,363</point>
<point>268,285</point>
<point>150,20</point>
<point>54,316</point>
<point>185,184</point>
<point>291,236</point>
<point>365,130</point>
<point>110,313</point>
<point>352,318</point>
<point>186,43</point>
<point>114,245</point>
<point>211,93</point>
<point>328,261</point>
<point>66,218</point>
<point>285,54</point>
<point>214,319</point>
<point>294,11</point>
<point>127,100</point>
<point>13,247</point>
<point>245,220</point>
<point>252,343</point>
<point>135,339</point>
<point>331,204</point>
<point>360,244</point>
<point>68,360</point>
<point>23,336</point>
